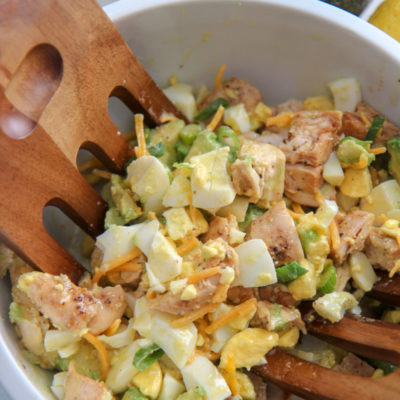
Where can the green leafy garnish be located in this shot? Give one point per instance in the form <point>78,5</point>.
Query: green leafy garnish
<point>375,127</point>
<point>134,393</point>
<point>252,213</point>
<point>157,150</point>
<point>211,109</point>
<point>146,356</point>
<point>290,272</point>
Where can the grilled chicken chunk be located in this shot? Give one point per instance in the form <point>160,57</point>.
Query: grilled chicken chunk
<point>235,91</point>
<point>277,229</point>
<point>312,137</point>
<point>278,293</point>
<point>246,181</point>
<point>71,307</point>
<point>353,231</point>
<point>293,105</point>
<point>351,364</point>
<point>218,227</point>
<point>382,251</point>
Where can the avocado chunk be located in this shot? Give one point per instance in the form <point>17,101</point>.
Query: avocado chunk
<point>351,151</point>
<point>393,146</point>
<point>205,141</point>
<point>196,393</point>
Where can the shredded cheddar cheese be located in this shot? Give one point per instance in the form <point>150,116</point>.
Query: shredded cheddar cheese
<point>231,375</point>
<point>297,208</point>
<point>203,274</point>
<point>240,310</point>
<point>112,329</point>
<point>221,293</point>
<point>334,236</point>
<point>115,263</point>
<point>101,351</point>
<point>216,118</point>
<point>188,244</point>
<point>193,316</point>
<point>378,150</point>
<point>282,120</point>
<point>220,74</point>
<point>141,149</point>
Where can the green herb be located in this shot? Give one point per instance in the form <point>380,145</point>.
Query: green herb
<point>375,127</point>
<point>211,109</point>
<point>146,356</point>
<point>252,213</point>
<point>134,393</point>
<point>157,150</point>
<point>62,364</point>
<point>290,272</point>
<point>327,280</point>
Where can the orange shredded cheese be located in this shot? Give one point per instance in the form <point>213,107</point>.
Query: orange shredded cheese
<point>195,315</point>
<point>297,208</point>
<point>216,118</point>
<point>334,236</point>
<point>221,293</point>
<point>102,174</point>
<point>129,266</point>
<point>395,269</point>
<point>282,120</point>
<point>188,244</point>
<point>293,214</point>
<point>101,351</point>
<point>115,263</point>
<point>242,309</point>
<point>220,74</point>
<point>364,118</point>
<point>141,149</point>
<point>231,374</point>
<point>378,150</point>
<point>208,354</point>
<point>203,274</point>
<point>112,329</point>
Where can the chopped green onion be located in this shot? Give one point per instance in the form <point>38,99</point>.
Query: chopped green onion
<point>386,367</point>
<point>133,393</point>
<point>308,236</point>
<point>375,127</point>
<point>182,150</point>
<point>157,150</point>
<point>147,356</point>
<point>290,272</point>
<point>327,280</point>
<point>189,133</point>
<point>211,109</point>
<point>252,213</point>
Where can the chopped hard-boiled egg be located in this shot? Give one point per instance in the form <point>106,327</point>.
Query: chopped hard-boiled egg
<point>181,95</point>
<point>346,93</point>
<point>362,272</point>
<point>248,347</point>
<point>163,260</point>
<point>178,223</point>
<point>149,381</point>
<point>289,339</point>
<point>178,193</point>
<point>58,384</point>
<point>327,212</point>
<point>237,118</point>
<point>123,337</point>
<point>211,184</point>
<point>333,171</point>
<point>149,179</point>
<point>304,287</point>
<point>171,388</point>
<point>332,306</point>
<point>201,372</point>
<point>238,208</point>
<point>236,236</point>
<point>256,267</point>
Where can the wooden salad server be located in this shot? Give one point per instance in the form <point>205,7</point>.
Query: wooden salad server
<point>60,61</point>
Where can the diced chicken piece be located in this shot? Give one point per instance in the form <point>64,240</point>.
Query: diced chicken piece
<point>278,293</point>
<point>71,307</point>
<point>81,387</point>
<point>125,278</point>
<point>276,139</point>
<point>260,386</point>
<point>382,251</point>
<point>269,163</point>
<point>302,182</point>
<point>275,317</point>
<point>218,227</point>
<point>388,129</point>
<point>351,364</point>
<point>246,181</point>
<point>239,294</point>
<point>353,125</point>
<point>293,105</point>
<point>276,228</point>
<point>353,231</point>
<point>173,304</point>
<point>312,137</point>
<point>235,91</point>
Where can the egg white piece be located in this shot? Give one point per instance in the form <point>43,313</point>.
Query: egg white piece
<point>202,372</point>
<point>256,267</point>
<point>177,195</point>
<point>171,388</point>
<point>346,93</point>
<point>181,95</point>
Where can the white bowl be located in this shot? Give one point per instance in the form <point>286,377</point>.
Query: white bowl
<point>287,48</point>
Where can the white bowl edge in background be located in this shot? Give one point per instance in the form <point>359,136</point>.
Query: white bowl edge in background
<point>370,9</point>
<point>178,35</point>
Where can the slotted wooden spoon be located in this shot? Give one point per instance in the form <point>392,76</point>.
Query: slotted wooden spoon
<point>59,63</point>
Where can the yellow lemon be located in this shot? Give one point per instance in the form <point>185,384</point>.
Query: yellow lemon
<point>387,18</point>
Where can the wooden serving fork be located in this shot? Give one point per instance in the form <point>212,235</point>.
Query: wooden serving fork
<point>60,61</point>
